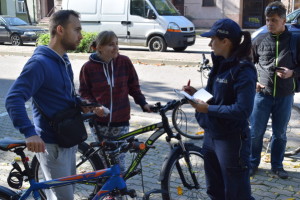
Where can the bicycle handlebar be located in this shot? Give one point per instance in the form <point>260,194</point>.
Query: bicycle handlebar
<point>205,61</point>
<point>169,106</point>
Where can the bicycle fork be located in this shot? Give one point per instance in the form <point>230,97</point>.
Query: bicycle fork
<point>187,160</point>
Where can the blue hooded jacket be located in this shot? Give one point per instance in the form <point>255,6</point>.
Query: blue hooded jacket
<point>48,79</point>
<point>232,84</point>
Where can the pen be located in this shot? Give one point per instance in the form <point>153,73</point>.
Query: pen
<point>189,82</point>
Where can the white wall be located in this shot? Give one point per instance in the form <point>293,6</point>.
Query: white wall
<point>205,16</point>
<point>11,7</point>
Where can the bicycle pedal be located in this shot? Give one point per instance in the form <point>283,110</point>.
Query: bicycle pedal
<point>132,193</point>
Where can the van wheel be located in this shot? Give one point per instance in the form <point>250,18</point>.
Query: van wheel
<point>178,49</point>
<point>157,43</point>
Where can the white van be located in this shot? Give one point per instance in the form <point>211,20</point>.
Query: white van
<point>153,23</point>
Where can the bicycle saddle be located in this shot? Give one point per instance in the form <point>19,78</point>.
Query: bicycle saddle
<point>7,144</point>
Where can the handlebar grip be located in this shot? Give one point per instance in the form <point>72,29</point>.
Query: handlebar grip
<point>89,115</point>
<point>90,104</point>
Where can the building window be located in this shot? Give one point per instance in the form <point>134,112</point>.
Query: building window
<point>208,3</point>
<point>21,6</point>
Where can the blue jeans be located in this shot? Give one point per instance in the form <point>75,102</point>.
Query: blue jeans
<point>280,108</point>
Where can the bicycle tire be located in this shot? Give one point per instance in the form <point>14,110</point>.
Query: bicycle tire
<point>7,194</point>
<point>4,196</point>
<point>185,122</point>
<point>93,163</point>
<point>171,181</point>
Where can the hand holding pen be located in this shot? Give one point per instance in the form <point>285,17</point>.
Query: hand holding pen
<point>189,89</point>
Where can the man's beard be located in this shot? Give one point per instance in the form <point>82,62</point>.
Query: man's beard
<point>68,46</point>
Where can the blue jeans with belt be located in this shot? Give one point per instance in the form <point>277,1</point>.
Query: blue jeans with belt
<point>280,108</point>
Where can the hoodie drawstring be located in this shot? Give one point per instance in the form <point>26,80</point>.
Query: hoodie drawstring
<point>110,81</point>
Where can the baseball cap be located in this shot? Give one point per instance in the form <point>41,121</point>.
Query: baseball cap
<point>226,28</point>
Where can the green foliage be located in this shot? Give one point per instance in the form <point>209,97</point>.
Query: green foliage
<point>83,47</point>
<point>43,39</point>
<point>86,41</point>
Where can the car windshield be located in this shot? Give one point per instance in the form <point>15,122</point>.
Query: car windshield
<point>290,17</point>
<point>14,21</point>
<point>164,7</point>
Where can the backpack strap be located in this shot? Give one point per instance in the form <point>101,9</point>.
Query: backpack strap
<point>293,46</point>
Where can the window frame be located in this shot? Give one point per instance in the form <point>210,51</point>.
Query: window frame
<point>208,3</point>
<point>20,7</point>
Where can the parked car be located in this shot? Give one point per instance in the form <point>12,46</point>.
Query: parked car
<point>292,23</point>
<point>17,31</point>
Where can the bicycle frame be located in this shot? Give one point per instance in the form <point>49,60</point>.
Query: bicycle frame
<point>115,181</point>
<point>162,127</point>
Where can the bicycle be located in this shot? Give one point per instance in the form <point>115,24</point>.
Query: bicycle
<point>183,116</point>
<point>182,173</point>
<point>113,183</point>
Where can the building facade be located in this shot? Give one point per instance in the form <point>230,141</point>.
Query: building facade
<point>203,13</point>
<point>247,13</point>
<point>37,9</point>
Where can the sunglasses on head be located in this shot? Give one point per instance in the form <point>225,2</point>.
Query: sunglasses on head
<point>271,8</point>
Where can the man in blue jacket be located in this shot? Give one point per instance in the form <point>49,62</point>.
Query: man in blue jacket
<point>47,78</point>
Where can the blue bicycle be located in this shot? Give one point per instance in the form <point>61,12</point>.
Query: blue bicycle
<point>113,184</point>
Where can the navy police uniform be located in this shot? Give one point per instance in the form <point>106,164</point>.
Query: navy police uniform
<point>226,146</point>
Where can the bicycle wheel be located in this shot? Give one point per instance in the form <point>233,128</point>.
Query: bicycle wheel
<point>7,194</point>
<point>92,163</point>
<point>4,196</point>
<point>177,180</point>
<point>184,121</point>
<point>294,123</point>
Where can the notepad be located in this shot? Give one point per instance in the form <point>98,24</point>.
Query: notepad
<point>201,94</point>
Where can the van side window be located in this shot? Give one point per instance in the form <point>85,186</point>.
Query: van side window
<point>139,7</point>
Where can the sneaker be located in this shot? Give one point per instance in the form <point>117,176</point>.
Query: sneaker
<point>253,170</point>
<point>281,173</point>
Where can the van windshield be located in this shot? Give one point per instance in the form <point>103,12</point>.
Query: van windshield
<point>164,7</point>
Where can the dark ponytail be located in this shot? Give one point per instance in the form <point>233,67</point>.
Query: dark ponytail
<point>242,50</point>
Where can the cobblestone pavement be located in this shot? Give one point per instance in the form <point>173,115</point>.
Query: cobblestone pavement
<point>265,186</point>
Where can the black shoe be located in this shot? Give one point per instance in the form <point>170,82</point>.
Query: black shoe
<point>281,173</point>
<point>253,170</point>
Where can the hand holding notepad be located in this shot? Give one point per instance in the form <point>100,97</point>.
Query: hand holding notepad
<point>201,94</point>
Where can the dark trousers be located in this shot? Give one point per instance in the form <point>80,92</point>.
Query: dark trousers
<point>226,163</point>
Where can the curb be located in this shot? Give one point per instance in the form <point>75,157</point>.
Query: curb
<point>163,61</point>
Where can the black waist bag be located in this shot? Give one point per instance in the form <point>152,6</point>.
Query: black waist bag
<point>69,128</point>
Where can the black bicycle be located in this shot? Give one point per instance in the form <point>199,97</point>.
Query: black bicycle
<point>183,116</point>
<point>182,173</point>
